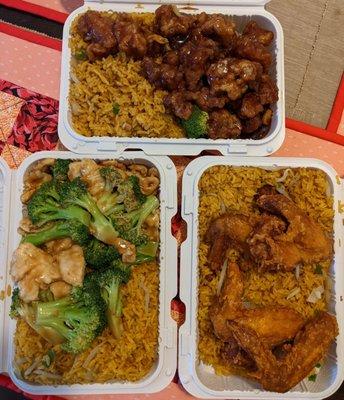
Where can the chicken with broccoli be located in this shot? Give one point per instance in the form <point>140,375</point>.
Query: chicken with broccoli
<point>85,232</point>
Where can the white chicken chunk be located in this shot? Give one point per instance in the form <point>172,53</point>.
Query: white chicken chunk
<point>71,263</point>
<point>55,246</point>
<point>33,269</point>
<point>88,171</point>
<point>60,289</point>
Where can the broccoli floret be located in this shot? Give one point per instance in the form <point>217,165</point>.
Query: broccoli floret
<point>27,311</point>
<point>108,202</point>
<point>129,225</point>
<point>99,255</point>
<point>110,281</point>
<point>78,318</point>
<point>130,193</point>
<point>45,205</point>
<point>15,304</point>
<point>144,253</point>
<point>60,169</point>
<point>197,125</point>
<point>75,193</point>
<point>74,229</point>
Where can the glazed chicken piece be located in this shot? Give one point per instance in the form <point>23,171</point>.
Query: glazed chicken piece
<point>88,171</point>
<point>229,229</point>
<point>194,59</point>
<point>263,36</point>
<point>251,106</point>
<point>232,76</point>
<point>33,269</point>
<point>98,30</point>
<point>170,22</point>
<point>60,289</point>
<point>205,100</point>
<point>249,126</point>
<point>162,76</point>
<point>177,103</point>
<point>267,91</point>
<point>276,246</point>
<point>224,125</point>
<point>218,27</point>
<point>274,325</point>
<point>130,37</point>
<point>310,346</point>
<point>250,45</point>
<point>71,264</point>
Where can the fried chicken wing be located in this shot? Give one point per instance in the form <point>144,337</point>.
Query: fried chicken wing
<point>280,375</point>
<point>302,240</point>
<point>274,325</point>
<point>233,228</point>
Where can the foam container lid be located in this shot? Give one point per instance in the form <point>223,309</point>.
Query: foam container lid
<point>4,221</point>
<point>164,369</point>
<point>199,379</point>
<point>241,12</point>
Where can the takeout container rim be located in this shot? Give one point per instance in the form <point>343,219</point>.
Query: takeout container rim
<point>168,146</point>
<point>188,362</point>
<point>164,368</point>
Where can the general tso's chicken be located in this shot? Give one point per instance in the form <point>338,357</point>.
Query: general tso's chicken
<point>162,75</point>
<point>232,76</point>
<point>130,37</point>
<point>217,26</point>
<point>224,125</point>
<point>230,228</point>
<point>98,30</point>
<point>251,106</point>
<point>276,245</point>
<point>88,171</point>
<point>71,264</point>
<point>33,269</point>
<point>169,22</point>
<point>178,104</point>
<point>281,374</point>
<point>263,36</point>
<point>274,324</point>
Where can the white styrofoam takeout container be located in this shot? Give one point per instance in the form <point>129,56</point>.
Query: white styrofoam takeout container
<point>241,11</point>
<point>164,369</point>
<point>199,379</point>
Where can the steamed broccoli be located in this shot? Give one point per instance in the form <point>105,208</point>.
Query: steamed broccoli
<point>75,193</point>
<point>197,125</point>
<point>144,253</point>
<point>74,229</point>
<point>60,169</point>
<point>109,201</point>
<point>45,205</point>
<point>130,193</point>
<point>129,225</point>
<point>99,255</point>
<point>110,281</point>
<point>78,318</point>
<point>27,311</point>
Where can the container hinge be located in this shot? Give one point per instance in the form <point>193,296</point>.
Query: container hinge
<point>168,338</point>
<point>185,341</point>
<point>237,149</point>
